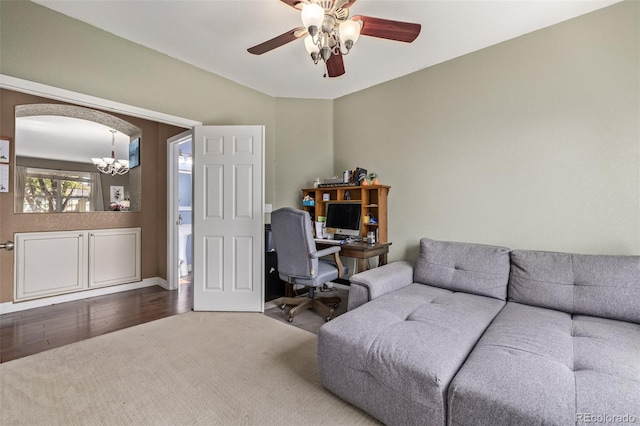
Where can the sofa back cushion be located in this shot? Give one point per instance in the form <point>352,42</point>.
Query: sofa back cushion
<point>471,268</point>
<point>602,286</point>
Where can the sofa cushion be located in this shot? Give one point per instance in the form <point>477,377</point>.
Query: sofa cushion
<point>540,366</point>
<point>604,286</point>
<point>401,350</point>
<point>472,268</point>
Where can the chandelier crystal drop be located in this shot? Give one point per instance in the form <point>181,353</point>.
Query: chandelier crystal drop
<point>109,165</point>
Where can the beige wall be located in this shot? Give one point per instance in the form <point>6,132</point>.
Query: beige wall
<point>304,150</point>
<point>533,143</point>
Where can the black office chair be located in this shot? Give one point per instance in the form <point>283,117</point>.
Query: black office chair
<point>299,262</point>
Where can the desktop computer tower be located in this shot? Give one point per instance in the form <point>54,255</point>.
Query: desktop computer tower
<point>274,287</point>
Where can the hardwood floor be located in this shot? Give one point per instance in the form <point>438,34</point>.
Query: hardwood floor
<point>35,330</point>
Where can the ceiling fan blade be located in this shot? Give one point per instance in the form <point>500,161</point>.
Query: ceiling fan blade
<point>278,41</point>
<point>385,28</point>
<point>294,3</point>
<point>335,65</point>
<point>344,4</point>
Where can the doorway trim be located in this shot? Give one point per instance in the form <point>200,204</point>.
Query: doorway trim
<point>51,92</point>
<point>173,278</point>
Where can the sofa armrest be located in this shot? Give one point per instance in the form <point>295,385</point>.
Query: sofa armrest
<point>367,285</point>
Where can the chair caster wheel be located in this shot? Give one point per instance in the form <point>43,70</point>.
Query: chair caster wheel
<point>283,306</point>
<point>336,305</point>
<point>290,320</point>
<point>327,319</point>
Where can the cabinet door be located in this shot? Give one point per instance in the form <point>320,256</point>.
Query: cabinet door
<point>114,256</point>
<point>48,263</point>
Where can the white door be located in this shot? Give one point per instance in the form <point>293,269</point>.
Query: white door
<point>228,218</point>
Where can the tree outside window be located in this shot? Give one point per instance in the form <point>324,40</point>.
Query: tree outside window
<point>56,191</point>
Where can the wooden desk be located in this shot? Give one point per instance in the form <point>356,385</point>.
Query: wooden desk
<point>362,252</point>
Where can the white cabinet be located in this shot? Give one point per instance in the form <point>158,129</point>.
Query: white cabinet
<point>114,256</point>
<point>50,263</point>
<point>59,262</point>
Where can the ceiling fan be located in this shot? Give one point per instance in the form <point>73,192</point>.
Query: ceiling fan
<point>330,34</point>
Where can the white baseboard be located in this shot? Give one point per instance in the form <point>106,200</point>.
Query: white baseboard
<point>162,283</point>
<point>9,307</point>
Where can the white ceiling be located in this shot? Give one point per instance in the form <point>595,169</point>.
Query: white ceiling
<point>214,35</point>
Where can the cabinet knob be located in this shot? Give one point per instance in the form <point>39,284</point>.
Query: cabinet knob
<point>8,246</point>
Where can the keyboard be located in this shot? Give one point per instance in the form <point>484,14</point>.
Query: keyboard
<point>323,241</point>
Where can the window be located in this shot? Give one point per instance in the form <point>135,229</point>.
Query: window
<point>56,191</point>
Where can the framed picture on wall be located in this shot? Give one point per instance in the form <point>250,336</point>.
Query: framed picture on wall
<point>134,153</point>
<point>116,193</point>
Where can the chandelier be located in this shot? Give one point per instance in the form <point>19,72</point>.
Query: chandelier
<point>109,165</point>
<point>329,30</point>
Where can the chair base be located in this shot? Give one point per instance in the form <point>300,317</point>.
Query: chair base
<point>317,304</point>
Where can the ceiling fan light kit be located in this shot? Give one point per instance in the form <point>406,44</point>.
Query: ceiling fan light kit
<point>328,31</point>
<point>349,33</point>
<point>312,17</point>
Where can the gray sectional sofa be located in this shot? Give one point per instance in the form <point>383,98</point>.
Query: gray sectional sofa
<point>483,335</point>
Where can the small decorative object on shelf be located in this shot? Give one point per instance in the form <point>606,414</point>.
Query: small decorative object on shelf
<point>308,201</point>
<point>117,207</point>
<point>372,177</point>
<point>371,237</point>
<point>360,176</point>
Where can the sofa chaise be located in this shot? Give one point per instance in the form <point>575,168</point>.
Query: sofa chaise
<point>484,335</point>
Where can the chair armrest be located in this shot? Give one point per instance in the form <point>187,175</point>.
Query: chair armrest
<point>367,285</point>
<point>336,257</point>
<point>325,252</point>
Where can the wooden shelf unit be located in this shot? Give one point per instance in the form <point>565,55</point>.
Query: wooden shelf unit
<point>372,197</point>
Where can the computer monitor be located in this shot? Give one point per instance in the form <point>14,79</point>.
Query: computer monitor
<point>343,218</point>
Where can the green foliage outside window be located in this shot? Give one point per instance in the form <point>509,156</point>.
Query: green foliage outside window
<point>56,192</point>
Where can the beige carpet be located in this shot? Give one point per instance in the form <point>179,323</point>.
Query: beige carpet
<point>194,368</point>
